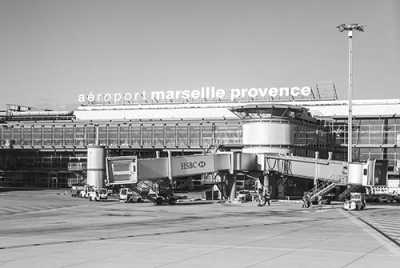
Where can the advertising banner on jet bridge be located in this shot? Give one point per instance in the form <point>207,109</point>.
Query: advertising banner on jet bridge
<point>198,164</point>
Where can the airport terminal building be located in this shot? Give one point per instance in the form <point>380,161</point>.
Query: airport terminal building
<point>40,148</point>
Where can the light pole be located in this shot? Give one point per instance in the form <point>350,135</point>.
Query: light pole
<point>349,28</point>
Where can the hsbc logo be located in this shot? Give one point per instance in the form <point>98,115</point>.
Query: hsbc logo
<point>193,165</point>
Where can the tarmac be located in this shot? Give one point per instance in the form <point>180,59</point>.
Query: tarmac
<point>48,229</point>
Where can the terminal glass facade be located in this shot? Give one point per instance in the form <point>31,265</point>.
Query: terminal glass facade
<point>373,138</point>
<point>37,153</point>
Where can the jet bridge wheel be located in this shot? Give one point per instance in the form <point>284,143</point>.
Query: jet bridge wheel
<point>172,201</point>
<point>159,201</point>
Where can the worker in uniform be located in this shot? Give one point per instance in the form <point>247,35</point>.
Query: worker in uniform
<point>305,205</point>
<point>260,197</point>
<point>267,198</point>
<point>264,198</point>
<point>306,201</point>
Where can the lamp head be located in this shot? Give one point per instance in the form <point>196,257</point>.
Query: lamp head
<point>350,27</point>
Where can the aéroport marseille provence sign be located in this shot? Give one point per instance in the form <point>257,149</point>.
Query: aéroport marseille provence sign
<point>203,93</point>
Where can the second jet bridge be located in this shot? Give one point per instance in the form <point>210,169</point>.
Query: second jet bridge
<point>325,169</point>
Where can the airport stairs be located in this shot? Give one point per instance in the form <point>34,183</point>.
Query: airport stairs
<point>80,170</point>
<point>321,189</point>
<point>351,188</point>
<point>144,188</point>
<point>325,186</point>
<point>80,180</point>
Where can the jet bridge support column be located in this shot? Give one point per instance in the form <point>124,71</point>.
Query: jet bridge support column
<point>231,178</point>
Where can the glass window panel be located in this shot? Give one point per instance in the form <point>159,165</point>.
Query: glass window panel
<point>79,135</point>
<point>113,135</point>
<point>207,135</point>
<point>389,132</point>
<point>364,154</point>
<point>375,137</point>
<point>170,135</point>
<point>103,135</point>
<point>5,135</point>
<point>232,135</point>
<point>16,135</point>
<point>124,135</point>
<point>375,153</point>
<point>363,134</point>
<point>37,135</point>
<point>47,135</point>
<point>375,122</point>
<point>146,135</point>
<point>69,135</point>
<point>158,135</point>
<point>91,135</point>
<point>340,133</point>
<point>182,135</point>
<point>393,156</point>
<point>26,136</point>
<point>194,139</point>
<point>135,135</point>
<point>58,135</point>
<point>221,134</point>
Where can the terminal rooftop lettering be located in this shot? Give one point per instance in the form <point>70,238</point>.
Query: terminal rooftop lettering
<point>203,93</point>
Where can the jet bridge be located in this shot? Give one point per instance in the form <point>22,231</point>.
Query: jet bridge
<point>129,170</point>
<point>324,173</point>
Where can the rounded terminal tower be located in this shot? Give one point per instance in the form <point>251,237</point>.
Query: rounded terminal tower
<point>96,166</point>
<point>269,128</point>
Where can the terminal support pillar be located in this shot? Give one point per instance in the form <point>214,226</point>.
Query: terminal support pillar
<point>231,186</point>
<point>170,177</point>
<point>316,174</point>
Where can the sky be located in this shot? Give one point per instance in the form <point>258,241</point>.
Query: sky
<point>53,51</point>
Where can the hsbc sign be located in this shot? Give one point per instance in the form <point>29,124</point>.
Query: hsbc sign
<point>193,165</point>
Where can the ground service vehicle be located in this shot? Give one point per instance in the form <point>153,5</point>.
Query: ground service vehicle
<point>244,196</point>
<point>382,194</point>
<point>76,190</point>
<point>127,195</point>
<point>86,191</point>
<point>356,202</point>
<point>98,194</point>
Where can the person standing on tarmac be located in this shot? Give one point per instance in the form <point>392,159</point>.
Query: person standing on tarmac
<point>260,197</point>
<point>305,202</point>
<point>267,198</point>
<point>264,198</point>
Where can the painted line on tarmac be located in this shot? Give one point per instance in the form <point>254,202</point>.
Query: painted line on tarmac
<point>381,232</point>
<point>149,234</point>
<point>384,242</point>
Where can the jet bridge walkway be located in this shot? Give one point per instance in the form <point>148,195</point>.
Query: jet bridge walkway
<point>326,174</point>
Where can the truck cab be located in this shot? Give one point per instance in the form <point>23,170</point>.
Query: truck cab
<point>85,192</point>
<point>127,195</point>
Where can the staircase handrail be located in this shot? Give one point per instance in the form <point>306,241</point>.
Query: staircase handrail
<point>145,184</point>
<point>322,189</point>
